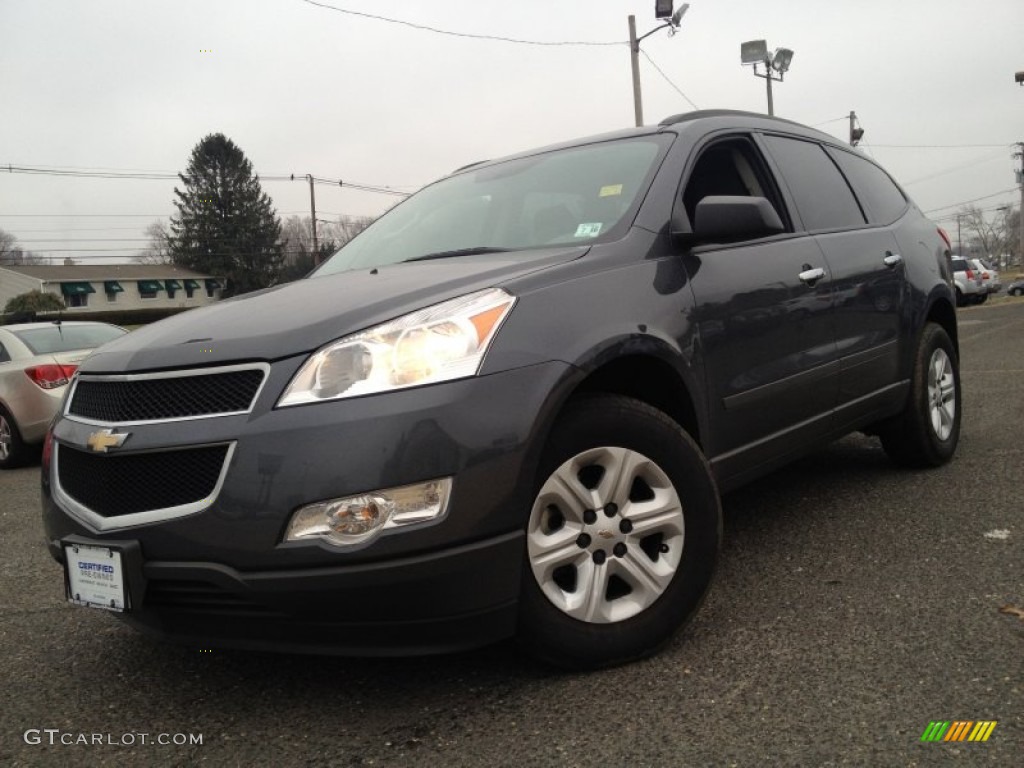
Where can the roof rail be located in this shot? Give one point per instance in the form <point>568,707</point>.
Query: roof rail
<point>470,165</point>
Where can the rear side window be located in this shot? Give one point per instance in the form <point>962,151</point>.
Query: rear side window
<point>57,338</point>
<point>880,195</point>
<point>4,356</point>
<point>960,265</point>
<point>822,196</point>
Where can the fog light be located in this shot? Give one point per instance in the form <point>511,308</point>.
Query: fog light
<point>359,519</point>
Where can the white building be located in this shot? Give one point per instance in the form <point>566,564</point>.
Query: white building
<point>95,288</point>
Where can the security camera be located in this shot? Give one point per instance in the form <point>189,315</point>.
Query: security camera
<point>1019,78</point>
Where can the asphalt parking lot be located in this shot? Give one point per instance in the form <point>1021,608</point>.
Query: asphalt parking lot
<point>855,603</point>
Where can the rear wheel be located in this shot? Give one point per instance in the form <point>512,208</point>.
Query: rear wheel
<point>959,297</point>
<point>13,451</point>
<point>927,432</point>
<point>622,537</point>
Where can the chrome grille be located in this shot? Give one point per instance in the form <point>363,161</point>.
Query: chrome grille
<point>114,485</point>
<point>138,398</point>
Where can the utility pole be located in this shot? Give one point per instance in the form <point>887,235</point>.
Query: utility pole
<point>856,134</point>
<point>634,56</point>
<point>634,49</point>
<point>1020,214</point>
<point>312,220</point>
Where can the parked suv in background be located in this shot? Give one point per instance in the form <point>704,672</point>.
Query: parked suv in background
<point>969,286</point>
<point>989,278</point>
<point>510,404</point>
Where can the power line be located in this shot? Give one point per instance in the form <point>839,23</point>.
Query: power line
<point>159,176</point>
<point>833,120</point>
<point>496,38</point>
<point>944,146</point>
<point>84,215</point>
<point>974,200</point>
<point>953,169</point>
<point>667,79</point>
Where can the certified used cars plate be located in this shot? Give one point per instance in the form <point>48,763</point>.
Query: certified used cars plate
<point>95,577</point>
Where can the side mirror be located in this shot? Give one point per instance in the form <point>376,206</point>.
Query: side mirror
<point>726,218</point>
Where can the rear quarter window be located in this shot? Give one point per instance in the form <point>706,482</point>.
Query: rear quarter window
<point>47,341</point>
<point>883,199</point>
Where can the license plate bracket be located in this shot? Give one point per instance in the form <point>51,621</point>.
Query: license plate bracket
<point>94,576</point>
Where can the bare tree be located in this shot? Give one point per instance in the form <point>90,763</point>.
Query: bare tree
<point>350,226</point>
<point>158,251</point>
<point>997,240</point>
<point>12,255</point>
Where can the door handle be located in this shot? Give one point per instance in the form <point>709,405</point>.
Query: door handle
<point>891,259</point>
<point>811,276</point>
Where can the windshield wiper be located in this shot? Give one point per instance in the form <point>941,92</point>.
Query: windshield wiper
<point>460,252</point>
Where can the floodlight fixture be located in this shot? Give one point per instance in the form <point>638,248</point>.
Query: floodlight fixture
<point>756,52</point>
<point>781,59</point>
<point>1019,78</point>
<point>663,9</point>
<point>753,52</point>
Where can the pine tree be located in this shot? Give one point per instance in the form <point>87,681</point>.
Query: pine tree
<point>226,225</point>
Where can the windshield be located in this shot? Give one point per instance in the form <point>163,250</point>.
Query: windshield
<point>575,196</point>
<point>65,338</point>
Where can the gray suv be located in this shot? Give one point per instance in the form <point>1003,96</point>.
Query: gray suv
<point>509,406</point>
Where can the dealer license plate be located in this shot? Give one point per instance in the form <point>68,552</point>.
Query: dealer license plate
<point>95,577</point>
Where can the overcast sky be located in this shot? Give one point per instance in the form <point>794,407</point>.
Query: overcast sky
<point>135,84</point>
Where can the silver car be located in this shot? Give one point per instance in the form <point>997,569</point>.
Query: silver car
<point>989,277</point>
<point>37,361</point>
<point>969,286</point>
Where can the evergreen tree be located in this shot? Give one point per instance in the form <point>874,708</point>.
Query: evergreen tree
<point>226,225</point>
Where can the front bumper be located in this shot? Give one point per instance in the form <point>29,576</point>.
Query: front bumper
<point>223,576</point>
<point>440,602</point>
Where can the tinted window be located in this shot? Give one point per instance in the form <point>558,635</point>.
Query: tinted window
<point>4,357</point>
<point>822,195</point>
<point>64,338</point>
<point>875,189</point>
<point>960,265</point>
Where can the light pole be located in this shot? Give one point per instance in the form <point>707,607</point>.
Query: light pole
<point>662,9</point>
<point>756,52</point>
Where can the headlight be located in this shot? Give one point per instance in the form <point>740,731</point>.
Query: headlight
<point>439,343</point>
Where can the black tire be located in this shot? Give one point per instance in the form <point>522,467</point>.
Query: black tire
<point>661,459</point>
<point>13,451</point>
<point>981,299</point>
<point>959,298</point>
<point>914,439</point>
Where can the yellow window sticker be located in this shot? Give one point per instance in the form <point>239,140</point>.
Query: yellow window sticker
<point>610,189</point>
<point>590,229</point>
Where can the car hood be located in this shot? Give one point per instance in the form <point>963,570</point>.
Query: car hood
<point>300,317</point>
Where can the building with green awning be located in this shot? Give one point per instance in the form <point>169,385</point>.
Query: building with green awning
<point>76,289</point>
<point>92,289</point>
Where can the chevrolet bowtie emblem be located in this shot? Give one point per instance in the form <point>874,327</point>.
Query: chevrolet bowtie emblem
<point>106,438</point>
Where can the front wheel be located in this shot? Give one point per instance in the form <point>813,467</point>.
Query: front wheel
<point>622,537</point>
<point>927,432</point>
